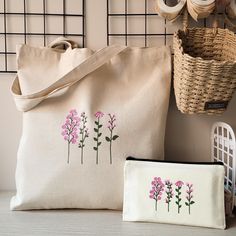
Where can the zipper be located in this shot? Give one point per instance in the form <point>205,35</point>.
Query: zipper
<point>174,162</point>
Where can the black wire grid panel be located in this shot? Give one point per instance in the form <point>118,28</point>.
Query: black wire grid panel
<point>149,29</point>
<point>123,15</point>
<point>65,18</point>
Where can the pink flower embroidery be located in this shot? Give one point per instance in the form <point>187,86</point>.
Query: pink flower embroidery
<point>179,183</point>
<point>169,193</point>
<point>99,114</point>
<point>69,129</point>
<point>156,191</point>
<point>189,197</point>
<point>111,126</point>
<point>83,131</point>
<point>98,133</point>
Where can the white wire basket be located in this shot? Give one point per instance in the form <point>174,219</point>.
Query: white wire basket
<point>224,150</point>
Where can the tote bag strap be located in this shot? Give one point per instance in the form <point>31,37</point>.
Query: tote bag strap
<point>99,58</point>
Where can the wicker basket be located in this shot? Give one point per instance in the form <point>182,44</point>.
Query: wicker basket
<point>204,69</point>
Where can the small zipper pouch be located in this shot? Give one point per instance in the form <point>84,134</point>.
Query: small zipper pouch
<point>175,193</point>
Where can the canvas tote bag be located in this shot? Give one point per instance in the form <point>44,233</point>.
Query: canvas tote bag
<point>83,114</point>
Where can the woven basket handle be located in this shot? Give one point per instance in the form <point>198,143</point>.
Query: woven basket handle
<point>215,23</point>
<point>228,22</point>
<point>185,20</point>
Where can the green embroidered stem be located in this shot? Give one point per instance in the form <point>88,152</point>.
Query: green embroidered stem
<point>69,133</point>
<point>169,193</point>
<point>111,148</point>
<point>84,134</point>
<point>97,128</point>
<point>97,142</point>
<point>178,202</point>
<point>179,185</point>
<point>189,197</point>
<point>82,149</point>
<point>68,153</point>
<point>111,126</point>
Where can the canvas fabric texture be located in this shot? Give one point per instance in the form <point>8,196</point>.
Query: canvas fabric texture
<point>84,112</point>
<point>186,194</point>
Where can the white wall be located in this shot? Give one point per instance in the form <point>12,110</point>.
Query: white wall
<point>187,137</point>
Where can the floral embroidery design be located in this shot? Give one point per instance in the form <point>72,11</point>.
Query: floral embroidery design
<point>156,191</point>
<point>97,128</point>
<point>158,187</point>
<point>111,126</point>
<point>69,130</point>
<point>169,193</point>
<point>179,185</point>
<point>83,131</point>
<point>189,197</point>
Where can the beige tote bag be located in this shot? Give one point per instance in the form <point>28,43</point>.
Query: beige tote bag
<point>83,114</point>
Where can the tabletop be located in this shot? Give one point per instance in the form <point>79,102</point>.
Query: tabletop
<point>89,222</point>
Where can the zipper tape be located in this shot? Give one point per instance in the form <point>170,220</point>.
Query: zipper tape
<point>174,162</point>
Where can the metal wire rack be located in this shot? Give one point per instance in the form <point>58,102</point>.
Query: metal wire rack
<point>11,15</point>
<point>126,15</point>
<point>152,25</point>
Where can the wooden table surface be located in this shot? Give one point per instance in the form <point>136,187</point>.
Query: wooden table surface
<point>89,222</point>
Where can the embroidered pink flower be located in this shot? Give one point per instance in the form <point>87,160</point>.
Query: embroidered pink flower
<point>189,197</point>
<point>156,191</point>
<point>111,126</point>
<point>157,179</point>
<point>179,183</point>
<point>73,112</point>
<point>169,193</point>
<point>99,114</point>
<point>98,133</point>
<point>189,191</point>
<point>189,185</point>
<point>69,129</point>
<point>84,134</point>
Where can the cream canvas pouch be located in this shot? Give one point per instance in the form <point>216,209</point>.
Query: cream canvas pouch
<point>175,193</point>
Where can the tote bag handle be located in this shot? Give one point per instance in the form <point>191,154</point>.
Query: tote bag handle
<point>99,58</point>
